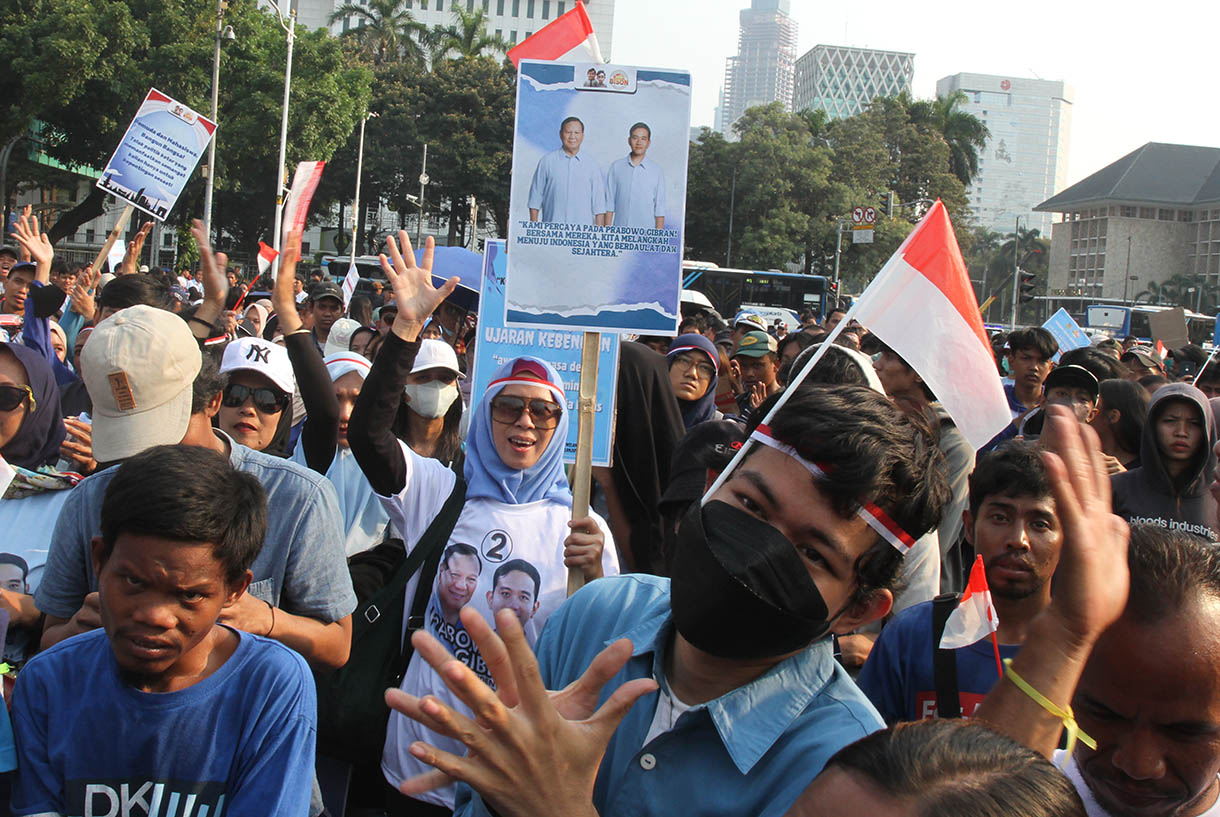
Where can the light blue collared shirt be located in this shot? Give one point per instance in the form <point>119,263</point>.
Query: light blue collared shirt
<point>749,752</point>
<point>635,193</point>
<point>567,188</point>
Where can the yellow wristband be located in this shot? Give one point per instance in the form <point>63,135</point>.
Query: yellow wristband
<point>1070,726</point>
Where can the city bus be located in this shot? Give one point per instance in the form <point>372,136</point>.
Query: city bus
<point>1118,322</point>
<point>730,290</point>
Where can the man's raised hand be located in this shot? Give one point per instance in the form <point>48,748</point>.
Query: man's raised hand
<point>529,751</point>
<point>411,283</point>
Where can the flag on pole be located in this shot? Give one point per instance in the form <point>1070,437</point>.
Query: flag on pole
<point>569,38</point>
<point>975,617</point>
<point>946,343</point>
<point>304,182</point>
<point>265,256</point>
<point>349,284</point>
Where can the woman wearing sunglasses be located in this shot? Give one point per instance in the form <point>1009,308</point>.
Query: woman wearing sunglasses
<point>256,404</point>
<point>513,540</point>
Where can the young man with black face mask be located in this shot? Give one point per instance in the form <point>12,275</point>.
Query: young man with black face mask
<point>740,700</point>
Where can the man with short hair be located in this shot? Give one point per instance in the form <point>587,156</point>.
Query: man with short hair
<point>514,586</point>
<point>635,185</point>
<point>1208,380</point>
<point>150,387</point>
<point>833,317</point>
<point>1011,523</point>
<point>591,78</point>
<point>8,257</point>
<point>757,359</point>
<point>746,321</point>
<point>1030,357</point>
<point>326,307</point>
<point>16,290</point>
<point>457,579</point>
<point>188,710</point>
<point>567,186</point>
<point>740,701</point>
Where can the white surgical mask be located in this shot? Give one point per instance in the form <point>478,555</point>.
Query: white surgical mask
<point>431,399</point>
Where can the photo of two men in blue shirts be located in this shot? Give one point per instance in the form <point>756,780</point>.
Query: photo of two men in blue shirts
<point>571,187</point>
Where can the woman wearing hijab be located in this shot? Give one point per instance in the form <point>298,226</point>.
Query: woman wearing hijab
<point>513,541</point>
<point>31,431</point>
<point>364,520</point>
<point>693,362</point>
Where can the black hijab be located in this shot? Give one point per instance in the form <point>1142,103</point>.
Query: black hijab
<point>37,441</point>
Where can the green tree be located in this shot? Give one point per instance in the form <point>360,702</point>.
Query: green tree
<point>963,133</point>
<point>384,30</point>
<point>467,37</point>
<point>142,43</point>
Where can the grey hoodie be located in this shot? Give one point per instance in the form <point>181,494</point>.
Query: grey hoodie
<point>1146,495</point>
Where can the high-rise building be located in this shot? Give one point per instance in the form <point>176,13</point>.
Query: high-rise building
<point>514,20</point>
<point>1025,159</point>
<point>762,70</point>
<point>842,80</point>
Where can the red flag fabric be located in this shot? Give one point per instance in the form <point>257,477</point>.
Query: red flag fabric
<point>975,617</point>
<point>265,256</point>
<point>922,306</point>
<point>569,38</point>
<point>304,182</point>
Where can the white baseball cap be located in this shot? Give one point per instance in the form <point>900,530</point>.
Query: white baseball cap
<point>436,354</point>
<point>340,337</point>
<point>139,367</point>
<point>261,356</point>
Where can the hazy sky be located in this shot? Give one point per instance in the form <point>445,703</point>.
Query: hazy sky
<point>1140,72</point>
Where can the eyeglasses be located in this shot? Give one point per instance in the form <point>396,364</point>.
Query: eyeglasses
<point>268,401</point>
<point>507,409</point>
<point>12,397</point>
<point>699,364</point>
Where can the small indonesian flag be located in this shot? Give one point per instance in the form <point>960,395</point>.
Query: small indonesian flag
<point>1160,349</point>
<point>349,284</point>
<point>975,617</point>
<point>570,38</point>
<point>265,256</point>
<point>296,208</point>
<point>947,344</point>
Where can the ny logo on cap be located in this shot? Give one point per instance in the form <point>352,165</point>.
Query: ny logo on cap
<point>258,354</point>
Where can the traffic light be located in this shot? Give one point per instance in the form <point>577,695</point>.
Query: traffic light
<point>1025,287</point>
<point>832,295</point>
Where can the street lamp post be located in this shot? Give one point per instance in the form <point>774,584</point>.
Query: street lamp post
<point>359,169</point>
<point>223,32</point>
<point>1016,270</point>
<point>289,26</point>
<point>423,180</point>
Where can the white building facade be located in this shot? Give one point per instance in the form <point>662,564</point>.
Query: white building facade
<point>842,80</point>
<point>1025,160</point>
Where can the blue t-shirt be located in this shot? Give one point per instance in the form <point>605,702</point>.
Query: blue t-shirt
<point>240,742</point>
<point>898,676</point>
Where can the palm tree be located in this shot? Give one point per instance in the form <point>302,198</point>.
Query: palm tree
<point>384,30</point>
<point>466,37</point>
<point>963,132</point>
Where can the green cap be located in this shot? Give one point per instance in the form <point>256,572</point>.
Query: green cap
<point>755,344</point>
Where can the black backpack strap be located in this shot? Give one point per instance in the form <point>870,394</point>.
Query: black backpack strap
<point>944,662</point>
<point>427,553</point>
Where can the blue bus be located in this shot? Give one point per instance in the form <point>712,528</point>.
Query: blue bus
<point>1119,321</point>
<point>732,289</point>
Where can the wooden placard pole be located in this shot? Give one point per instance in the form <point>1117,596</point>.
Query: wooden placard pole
<point>582,470</point>
<point>119,227</point>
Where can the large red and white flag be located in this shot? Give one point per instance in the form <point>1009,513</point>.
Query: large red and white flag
<point>922,306</point>
<point>296,208</point>
<point>265,256</point>
<point>975,617</point>
<point>569,38</point>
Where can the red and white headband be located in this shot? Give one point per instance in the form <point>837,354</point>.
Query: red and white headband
<point>876,518</point>
<point>529,381</point>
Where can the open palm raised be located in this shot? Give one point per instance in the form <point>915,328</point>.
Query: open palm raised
<point>414,293</point>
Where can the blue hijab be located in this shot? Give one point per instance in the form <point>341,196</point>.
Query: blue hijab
<point>696,411</point>
<point>488,476</point>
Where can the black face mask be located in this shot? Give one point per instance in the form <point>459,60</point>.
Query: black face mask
<point>739,589</point>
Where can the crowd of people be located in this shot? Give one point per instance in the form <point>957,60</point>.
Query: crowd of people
<point>213,509</point>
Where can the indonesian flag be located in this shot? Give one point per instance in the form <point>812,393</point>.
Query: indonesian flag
<point>569,38</point>
<point>296,208</point>
<point>349,284</point>
<point>265,256</point>
<point>1160,349</point>
<point>975,617</point>
<point>922,306</point>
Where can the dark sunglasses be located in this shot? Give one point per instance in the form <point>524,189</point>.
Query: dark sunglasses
<point>13,396</point>
<point>268,401</point>
<point>507,409</point>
